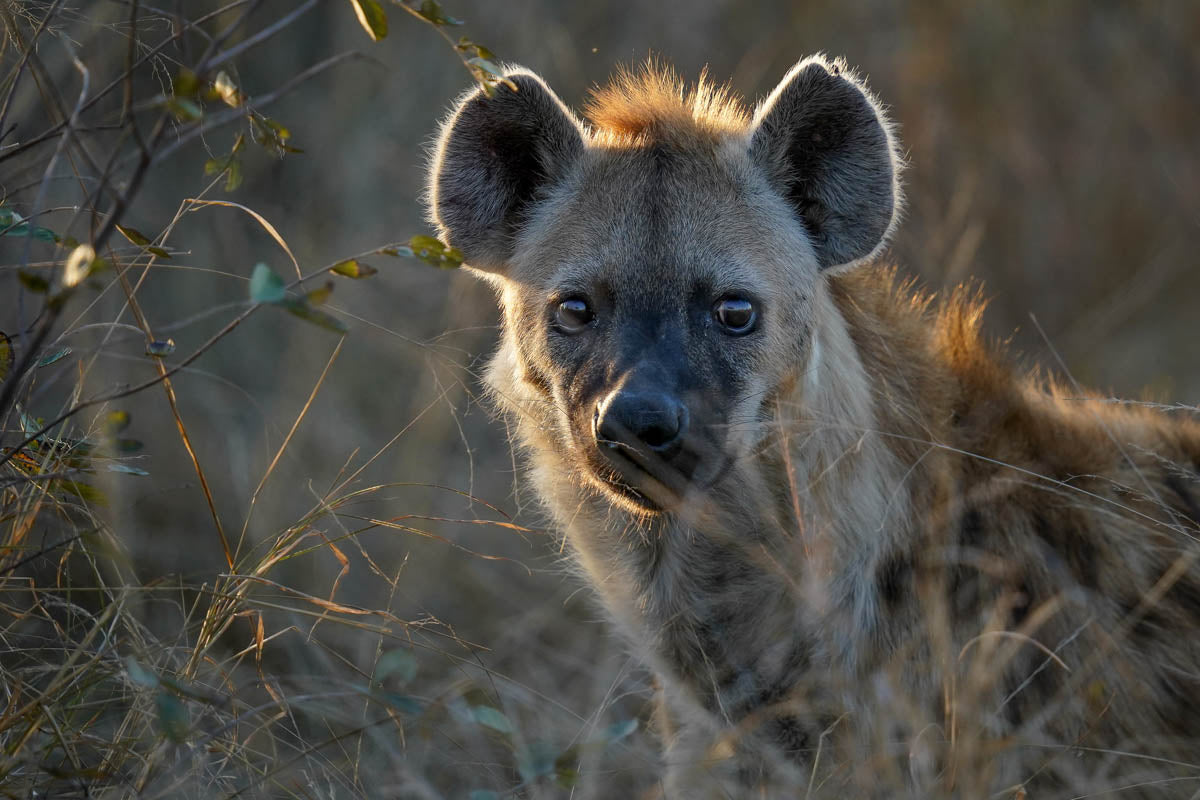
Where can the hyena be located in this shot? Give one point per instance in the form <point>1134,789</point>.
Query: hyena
<point>863,552</point>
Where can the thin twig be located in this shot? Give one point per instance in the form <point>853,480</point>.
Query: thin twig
<point>146,384</point>
<point>50,133</point>
<point>26,51</point>
<point>287,440</point>
<point>215,121</point>
<point>261,36</point>
<point>9,387</point>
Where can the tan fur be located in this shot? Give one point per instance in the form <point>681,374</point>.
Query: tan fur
<point>653,102</point>
<point>918,571</point>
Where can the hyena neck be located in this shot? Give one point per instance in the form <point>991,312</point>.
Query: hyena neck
<point>853,472</point>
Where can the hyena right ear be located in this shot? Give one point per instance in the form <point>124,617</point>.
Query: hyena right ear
<point>494,157</point>
<point>824,143</point>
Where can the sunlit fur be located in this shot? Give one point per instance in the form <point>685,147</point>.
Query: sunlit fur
<point>653,103</point>
<point>926,573</point>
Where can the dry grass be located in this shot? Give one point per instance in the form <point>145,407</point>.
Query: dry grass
<point>328,572</point>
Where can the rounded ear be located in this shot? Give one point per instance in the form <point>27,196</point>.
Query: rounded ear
<point>825,145</point>
<point>494,157</point>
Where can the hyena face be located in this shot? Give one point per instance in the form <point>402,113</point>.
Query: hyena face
<point>658,267</point>
<point>647,316</point>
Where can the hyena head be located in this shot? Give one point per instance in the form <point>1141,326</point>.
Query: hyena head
<point>660,264</point>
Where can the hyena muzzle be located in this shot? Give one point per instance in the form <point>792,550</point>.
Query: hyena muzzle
<point>862,552</point>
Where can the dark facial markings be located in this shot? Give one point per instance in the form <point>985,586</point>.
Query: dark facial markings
<point>649,379</point>
<point>735,314</point>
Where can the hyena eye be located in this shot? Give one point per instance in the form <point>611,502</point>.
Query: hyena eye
<point>573,315</point>
<point>736,315</point>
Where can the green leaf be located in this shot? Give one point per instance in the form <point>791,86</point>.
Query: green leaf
<point>7,356</point>
<point>24,229</point>
<point>234,179</point>
<point>33,282</point>
<point>488,74</point>
<point>487,66</point>
<point>352,268</point>
<point>537,760</point>
<point>186,83</point>
<point>400,702</point>
<point>55,356</point>
<point>492,718</point>
<point>134,235</point>
<point>160,348</point>
<point>566,773</point>
<point>271,135</point>
<point>399,663</point>
<point>432,11</point>
<point>231,165</point>
<point>84,491</point>
<point>16,225</point>
<point>619,730</point>
<point>141,240</point>
<point>465,45</point>
<point>432,251</point>
<point>314,315</point>
<point>172,716</point>
<point>184,109</point>
<point>126,469</point>
<point>266,286</point>
<point>29,424</point>
<point>372,17</point>
<point>98,265</point>
<point>115,422</point>
<point>319,295</point>
<point>401,251</point>
<point>139,674</point>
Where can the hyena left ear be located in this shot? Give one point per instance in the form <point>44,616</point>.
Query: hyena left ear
<point>495,156</point>
<point>825,145</point>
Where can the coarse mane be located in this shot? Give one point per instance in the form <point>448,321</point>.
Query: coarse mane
<point>652,103</point>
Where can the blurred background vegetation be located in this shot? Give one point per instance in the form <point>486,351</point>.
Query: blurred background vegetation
<point>1053,154</point>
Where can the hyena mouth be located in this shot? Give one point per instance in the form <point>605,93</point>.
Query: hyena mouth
<point>648,472</point>
<point>650,481</point>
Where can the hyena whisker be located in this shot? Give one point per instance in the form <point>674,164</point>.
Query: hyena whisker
<point>1148,404</point>
<point>896,494</point>
<point>1056,482</point>
<point>1141,757</point>
<point>1150,490</point>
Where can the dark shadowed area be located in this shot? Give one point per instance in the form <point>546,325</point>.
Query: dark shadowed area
<point>1052,155</point>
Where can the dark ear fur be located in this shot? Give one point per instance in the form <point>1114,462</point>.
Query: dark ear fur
<point>826,147</point>
<point>493,157</point>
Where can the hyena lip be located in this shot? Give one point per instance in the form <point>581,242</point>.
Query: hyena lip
<point>648,481</point>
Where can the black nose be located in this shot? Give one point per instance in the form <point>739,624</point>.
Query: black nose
<point>647,417</point>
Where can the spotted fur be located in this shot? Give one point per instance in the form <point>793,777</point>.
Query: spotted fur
<point>884,561</point>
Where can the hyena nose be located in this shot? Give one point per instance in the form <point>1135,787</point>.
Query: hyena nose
<point>651,418</point>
